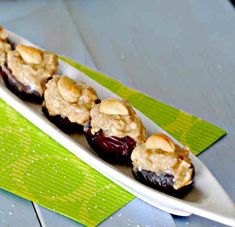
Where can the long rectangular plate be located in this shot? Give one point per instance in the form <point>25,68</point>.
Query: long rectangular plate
<point>207,198</point>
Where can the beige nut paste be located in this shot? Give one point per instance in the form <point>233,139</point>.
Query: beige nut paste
<point>31,66</point>
<point>118,125</point>
<point>4,46</point>
<point>68,98</point>
<point>175,163</point>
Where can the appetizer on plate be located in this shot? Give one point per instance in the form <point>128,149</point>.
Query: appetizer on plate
<point>114,130</point>
<point>67,103</point>
<point>162,164</point>
<point>26,71</point>
<point>159,162</point>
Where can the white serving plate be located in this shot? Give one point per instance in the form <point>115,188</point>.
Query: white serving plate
<point>207,198</point>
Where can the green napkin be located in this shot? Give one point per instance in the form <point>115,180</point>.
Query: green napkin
<point>35,167</point>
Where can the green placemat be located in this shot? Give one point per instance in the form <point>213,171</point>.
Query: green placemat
<point>35,167</point>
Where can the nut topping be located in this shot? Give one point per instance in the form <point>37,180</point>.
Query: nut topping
<point>68,89</point>
<point>160,141</point>
<point>5,46</point>
<point>113,106</point>
<point>29,54</point>
<point>3,34</point>
<point>183,175</point>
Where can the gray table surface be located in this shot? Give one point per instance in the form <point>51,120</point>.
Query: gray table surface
<point>180,52</point>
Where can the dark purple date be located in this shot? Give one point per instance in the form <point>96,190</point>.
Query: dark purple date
<point>163,182</point>
<point>63,123</point>
<point>112,149</point>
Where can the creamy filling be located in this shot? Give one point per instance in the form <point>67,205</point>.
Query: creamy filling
<point>77,111</point>
<point>118,125</point>
<point>3,34</point>
<point>160,162</point>
<point>32,75</point>
<point>4,48</point>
